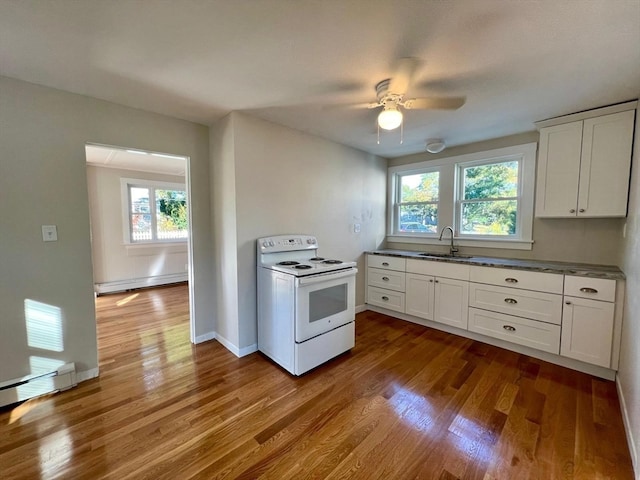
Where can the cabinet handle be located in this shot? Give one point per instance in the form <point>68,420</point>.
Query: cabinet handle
<point>509,328</point>
<point>385,264</point>
<point>386,279</point>
<point>431,280</point>
<point>386,299</point>
<point>436,281</point>
<point>511,280</point>
<point>512,301</point>
<point>588,290</point>
<point>581,210</point>
<point>573,210</point>
<point>568,303</point>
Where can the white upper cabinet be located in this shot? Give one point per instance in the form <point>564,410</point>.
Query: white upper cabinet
<point>584,166</point>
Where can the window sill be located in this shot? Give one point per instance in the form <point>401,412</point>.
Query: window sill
<point>504,243</point>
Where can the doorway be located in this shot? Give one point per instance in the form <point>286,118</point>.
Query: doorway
<point>139,203</point>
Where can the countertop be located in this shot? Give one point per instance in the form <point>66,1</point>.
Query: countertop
<point>565,268</point>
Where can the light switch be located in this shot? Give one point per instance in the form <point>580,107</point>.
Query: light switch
<point>49,233</point>
<point>356,228</point>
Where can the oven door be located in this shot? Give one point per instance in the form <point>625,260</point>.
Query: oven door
<point>324,302</point>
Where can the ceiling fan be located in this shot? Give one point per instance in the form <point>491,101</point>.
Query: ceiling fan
<point>391,96</point>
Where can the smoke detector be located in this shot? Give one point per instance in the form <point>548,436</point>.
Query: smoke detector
<point>435,145</point>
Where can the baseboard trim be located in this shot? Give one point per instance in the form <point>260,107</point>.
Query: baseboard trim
<point>627,428</point>
<point>205,337</point>
<point>87,374</point>
<point>361,308</point>
<point>237,351</point>
<point>130,284</point>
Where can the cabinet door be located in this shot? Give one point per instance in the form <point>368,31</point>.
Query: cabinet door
<point>451,302</point>
<point>419,295</point>
<point>605,165</point>
<point>587,330</point>
<point>558,170</point>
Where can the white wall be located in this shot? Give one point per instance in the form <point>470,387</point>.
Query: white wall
<point>629,371</point>
<point>115,263</point>
<point>43,180</point>
<point>286,181</point>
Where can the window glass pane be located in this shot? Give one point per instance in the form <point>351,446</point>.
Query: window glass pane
<point>419,218</point>
<point>489,218</point>
<point>422,187</point>
<point>141,227</point>
<point>139,200</point>
<point>491,181</point>
<point>171,213</point>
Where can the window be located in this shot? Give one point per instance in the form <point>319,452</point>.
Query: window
<point>489,199</point>
<point>418,202</point>
<point>156,211</point>
<point>486,197</point>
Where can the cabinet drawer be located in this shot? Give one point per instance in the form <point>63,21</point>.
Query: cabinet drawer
<point>386,298</point>
<point>387,263</point>
<point>545,307</point>
<point>530,333</point>
<point>541,282</point>
<point>592,288</point>
<point>438,269</point>
<point>390,279</point>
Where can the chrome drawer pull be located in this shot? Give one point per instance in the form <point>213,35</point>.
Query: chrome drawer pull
<point>512,301</point>
<point>385,264</point>
<point>511,280</point>
<point>386,279</point>
<point>588,290</point>
<point>386,299</point>
<point>509,328</point>
<point>568,303</point>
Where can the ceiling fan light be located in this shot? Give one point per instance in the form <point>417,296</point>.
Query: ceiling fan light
<point>435,146</point>
<point>390,118</point>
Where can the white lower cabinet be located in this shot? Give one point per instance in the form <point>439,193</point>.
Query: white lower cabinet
<point>523,331</point>
<point>443,300</point>
<point>420,290</point>
<point>587,330</point>
<point>567,315</point>
<point>451,302</point>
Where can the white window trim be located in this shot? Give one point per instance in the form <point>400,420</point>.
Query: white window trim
<point>448,207</point>
<point>124,198</point>
<point>394,201</point>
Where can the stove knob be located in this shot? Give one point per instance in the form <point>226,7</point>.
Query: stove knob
<point>272,244</point>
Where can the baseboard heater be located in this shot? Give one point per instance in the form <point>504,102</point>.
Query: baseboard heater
<point>32,386</point>
<point>131,284</point>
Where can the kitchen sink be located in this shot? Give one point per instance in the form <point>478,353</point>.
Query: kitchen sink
<point>443,255</point>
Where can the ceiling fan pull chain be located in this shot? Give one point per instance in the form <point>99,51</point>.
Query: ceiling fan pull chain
<point>378,133</point>
<point>401,133</point>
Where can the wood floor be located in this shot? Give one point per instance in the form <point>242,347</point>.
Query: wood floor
<point>407,402</point>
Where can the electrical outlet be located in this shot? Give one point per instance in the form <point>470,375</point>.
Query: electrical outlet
<point>356,228</point>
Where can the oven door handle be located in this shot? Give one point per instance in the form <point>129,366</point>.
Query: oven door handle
<point>323,277</point>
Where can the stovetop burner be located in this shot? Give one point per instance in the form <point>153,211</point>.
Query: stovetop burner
<point>288,263</point>
<point>316,259</point>
<point>302,267</point>
<point>332,262</point>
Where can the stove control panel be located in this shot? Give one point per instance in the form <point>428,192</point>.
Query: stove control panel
<point>285,243</point>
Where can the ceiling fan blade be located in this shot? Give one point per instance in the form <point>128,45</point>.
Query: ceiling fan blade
<point>403,75</point>
<point>435,103</point>
<point>351,106</point>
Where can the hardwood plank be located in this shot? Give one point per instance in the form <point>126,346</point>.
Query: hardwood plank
<point>406,402</point>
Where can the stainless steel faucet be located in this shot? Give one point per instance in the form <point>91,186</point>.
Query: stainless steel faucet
<point>452,249</point>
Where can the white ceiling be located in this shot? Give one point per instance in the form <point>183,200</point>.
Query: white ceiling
<point>103,156</point>
<point>283,60</point>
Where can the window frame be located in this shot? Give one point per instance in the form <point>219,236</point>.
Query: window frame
<point>398,204</point>
<point>450,191</point>
<point>125,188</point>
